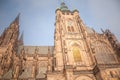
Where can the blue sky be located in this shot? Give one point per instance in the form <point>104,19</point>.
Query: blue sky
<point>38,17</point>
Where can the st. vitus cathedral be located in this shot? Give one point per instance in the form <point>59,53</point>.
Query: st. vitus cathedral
<point>79,53</point>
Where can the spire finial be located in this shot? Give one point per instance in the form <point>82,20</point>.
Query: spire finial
<point>63,6</point>
<point>17,18</point>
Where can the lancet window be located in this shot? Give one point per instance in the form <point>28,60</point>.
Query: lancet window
<point>76,54</point>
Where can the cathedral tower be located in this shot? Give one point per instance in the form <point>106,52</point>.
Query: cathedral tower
<point>71,45</point>
<point>70,39</point>
<point>8,46</point>
<point>79,52</point>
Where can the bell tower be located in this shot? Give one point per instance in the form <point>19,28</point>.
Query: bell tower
<point>71,45</point>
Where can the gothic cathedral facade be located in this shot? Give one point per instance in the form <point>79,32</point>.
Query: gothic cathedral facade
<point>79,53</point>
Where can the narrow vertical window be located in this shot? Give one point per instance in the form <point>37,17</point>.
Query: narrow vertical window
<point>76,54</point>
<point>72,29</point>
<point>69,30</point>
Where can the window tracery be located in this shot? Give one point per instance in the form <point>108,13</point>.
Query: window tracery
<point>70,24</point>
<point>76,54</point>
<point>70,29</point>
<point>103,53</point>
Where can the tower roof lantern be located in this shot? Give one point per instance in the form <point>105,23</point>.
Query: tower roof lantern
<point>63,7</point>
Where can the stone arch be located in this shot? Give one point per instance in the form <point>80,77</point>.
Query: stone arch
<point>74,43</point>
<point>43,64</point>
<point>70,57</point>
<point>76,52</point>
<point>83,78</point>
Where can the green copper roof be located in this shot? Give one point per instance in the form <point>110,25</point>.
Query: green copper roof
<point>63,7</point>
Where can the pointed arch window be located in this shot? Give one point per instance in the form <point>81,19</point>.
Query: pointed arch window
<point>70,24</point>
<point>76,54</point>
<point>70,29</point>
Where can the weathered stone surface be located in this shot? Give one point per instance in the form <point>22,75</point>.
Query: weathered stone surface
<point>79,53</point>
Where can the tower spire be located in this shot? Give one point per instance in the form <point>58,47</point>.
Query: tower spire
<point>15,22</point>
<point>63,7</point>
<point>17,18</point>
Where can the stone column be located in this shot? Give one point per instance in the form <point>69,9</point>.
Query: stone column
<point>69,74</point>
<point>58,45</point>
<point>33,71</point>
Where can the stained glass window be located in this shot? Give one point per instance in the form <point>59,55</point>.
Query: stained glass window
<point>76,54</point>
